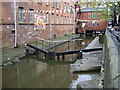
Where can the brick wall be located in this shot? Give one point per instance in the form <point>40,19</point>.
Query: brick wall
<point>25,30</point>
<point>99,26</point>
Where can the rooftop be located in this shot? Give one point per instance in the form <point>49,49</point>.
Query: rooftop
<point>91,9</point>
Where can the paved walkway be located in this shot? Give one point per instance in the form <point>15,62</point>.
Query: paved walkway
<point>91,62</point>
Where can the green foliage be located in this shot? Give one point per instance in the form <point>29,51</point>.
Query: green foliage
<point>110,9</point>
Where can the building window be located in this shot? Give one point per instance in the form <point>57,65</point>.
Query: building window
<point>64,20</point>
<point>40,12</point>
<point>88,24</point>
<point>71,9</point>
<point>52,18</point>
<point>65,6</point>
<point>93,16</point>
<point>52,3</point>
<point>97,24</point>
<point>31,15</point>
<point>61,19</point>
<point>47,2</point>
<point>88,5</point>
<point>72,20</point>
<point>93,24</point>
<point>46,17</point>
<point>57,19</point>
<point>68,20</point>
<point>20,14</point>
<point>61,5</point>
<point>39,1</point>
<point>57,4</point>
<point>89,15</point>
<point>98,15</point>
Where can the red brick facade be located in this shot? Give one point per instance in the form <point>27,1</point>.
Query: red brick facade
<point>25,29</point>
<point>91,18</point>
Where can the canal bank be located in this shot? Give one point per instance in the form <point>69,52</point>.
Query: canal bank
<point>91,62</point>
<point>111,70</point>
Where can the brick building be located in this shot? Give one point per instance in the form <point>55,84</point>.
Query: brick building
<point>17,20</point>
<point>89,19</point>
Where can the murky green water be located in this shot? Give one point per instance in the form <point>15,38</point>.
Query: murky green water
<point>31,72</point>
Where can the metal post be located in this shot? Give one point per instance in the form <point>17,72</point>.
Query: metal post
<point>36,42</point>
<point>58,58</point>
<point>50,20</point>
<point>45,56</point>
<point>49,45</point>
<point>55,47</point>
<point>42,44</point>
<point>63,57</point>
<point>15,24</point>
<point>68,45</point>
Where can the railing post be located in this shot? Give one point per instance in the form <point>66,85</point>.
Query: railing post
<point>58,57</point>
<point>63,57</point>
<point>27,52</point>
<point>55,47</point>
<point>68,45</point>
<point>42,44</point>
<point>49,45</point>
<point>36,42</point>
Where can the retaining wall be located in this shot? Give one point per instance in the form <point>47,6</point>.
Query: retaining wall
<point>111,63</point>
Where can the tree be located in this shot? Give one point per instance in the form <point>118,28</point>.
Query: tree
<point>110,9</point>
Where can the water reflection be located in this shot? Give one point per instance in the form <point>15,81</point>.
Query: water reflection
<point>31,72</point>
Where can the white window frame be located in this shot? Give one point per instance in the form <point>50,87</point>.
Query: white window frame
<point>20,14</point>
<point>39,1</point>
<point>89,15</point>
<point>46,17</point>
<point>65,7</point>
<point>57,4</point>
<point>57,21</point>
<point>47,2</point>
<point>89,24</point>
<point>31,15</point>
<point>93,24</point>
<point>52,3</point>
<point>52,18</point>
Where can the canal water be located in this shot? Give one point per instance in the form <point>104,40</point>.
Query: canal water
<point>33,72</point>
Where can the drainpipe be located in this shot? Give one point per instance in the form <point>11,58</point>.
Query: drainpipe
<point>74,17</point>
<point>50,19</point>
<point>15,44</point>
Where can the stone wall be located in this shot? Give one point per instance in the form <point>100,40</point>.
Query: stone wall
<point>111,63</point>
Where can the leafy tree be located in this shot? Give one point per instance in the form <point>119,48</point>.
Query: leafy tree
<point>110,9</point>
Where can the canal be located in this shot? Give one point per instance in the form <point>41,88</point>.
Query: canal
<point>34,72</point>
